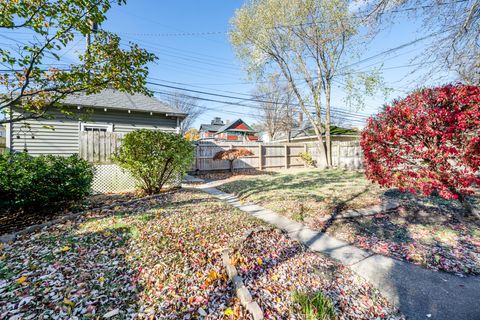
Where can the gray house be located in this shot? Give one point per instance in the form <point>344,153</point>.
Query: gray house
<point>107,111</point>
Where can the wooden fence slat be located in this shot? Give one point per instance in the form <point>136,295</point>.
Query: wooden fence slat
<point>101,146</point>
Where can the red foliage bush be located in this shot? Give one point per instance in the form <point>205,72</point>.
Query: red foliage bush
<point>232,155</point>
<point>429,141</point>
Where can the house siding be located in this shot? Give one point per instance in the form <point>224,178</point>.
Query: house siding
<point>64,138</point>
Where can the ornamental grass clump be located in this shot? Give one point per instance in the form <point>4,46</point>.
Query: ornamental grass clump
<point>155,158</point>
<point>427,143</point>
<point>231,155</point>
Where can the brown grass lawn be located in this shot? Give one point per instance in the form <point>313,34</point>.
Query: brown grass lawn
<point>424,230</point>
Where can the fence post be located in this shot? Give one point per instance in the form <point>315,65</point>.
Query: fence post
<point>338,163</point>
<point>305,150</point>
<point>260,157</point>
<point>286,156</point>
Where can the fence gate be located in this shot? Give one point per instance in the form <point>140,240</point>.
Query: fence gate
<point>98,147</point>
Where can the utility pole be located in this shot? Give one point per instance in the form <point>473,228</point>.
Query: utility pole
<point>93,29</point>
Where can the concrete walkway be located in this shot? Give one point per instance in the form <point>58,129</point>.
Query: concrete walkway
<point>419,293</point>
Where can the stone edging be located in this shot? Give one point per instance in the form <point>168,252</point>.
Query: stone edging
<point>11,237</point>
<point>240,289</point>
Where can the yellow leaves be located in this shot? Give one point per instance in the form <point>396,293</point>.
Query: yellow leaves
<point>68,302</point>
<point>22,280</point>
<point>212,276</point>
<point>228,312</point>
<point>274,277</point>
<point>65,249</point>
<point>101,279</point>
<point>259,261</point>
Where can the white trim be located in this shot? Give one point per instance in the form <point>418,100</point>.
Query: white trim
<point>107,126</point>
<point>8,136</point>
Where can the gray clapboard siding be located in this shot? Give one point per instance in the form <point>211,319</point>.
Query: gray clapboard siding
<point>38,138</point>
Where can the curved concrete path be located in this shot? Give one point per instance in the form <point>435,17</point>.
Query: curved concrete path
<point>419,293</point>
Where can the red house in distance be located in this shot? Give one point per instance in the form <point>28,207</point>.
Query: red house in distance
<point>237,130</point>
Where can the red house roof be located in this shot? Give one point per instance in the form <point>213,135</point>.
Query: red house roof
<point>237,125</point>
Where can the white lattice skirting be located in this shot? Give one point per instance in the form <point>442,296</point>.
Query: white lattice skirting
<point>111,178</point>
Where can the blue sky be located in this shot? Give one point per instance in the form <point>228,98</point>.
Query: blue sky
<point>205,60</point>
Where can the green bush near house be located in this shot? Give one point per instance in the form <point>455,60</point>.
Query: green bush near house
<point>43,182</point>
<point>154,158</point>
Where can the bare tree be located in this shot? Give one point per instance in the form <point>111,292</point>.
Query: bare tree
<point>453,29</point>
<point>276,112</point>
<point>308,42</point>
<point>187,104</point>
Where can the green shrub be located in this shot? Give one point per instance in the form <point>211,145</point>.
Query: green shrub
<point>154,158</point>
<point>48,181</point>
<point>307,158</point>
<point>314,306</point>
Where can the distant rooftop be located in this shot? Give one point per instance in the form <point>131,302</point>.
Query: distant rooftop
<point>214,125</point>
<point>114,99</point>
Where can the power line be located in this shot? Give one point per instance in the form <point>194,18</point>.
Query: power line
<point>333,110</point>
<point>239,93</point>
<point>233,103</point>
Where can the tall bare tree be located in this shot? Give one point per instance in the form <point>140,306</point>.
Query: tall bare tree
<point>454,26</point>
<point>187,104</point>
<point>308,42</point>
<point>276,101</point>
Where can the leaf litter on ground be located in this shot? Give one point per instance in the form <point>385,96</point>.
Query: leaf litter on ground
<point>154,258</point>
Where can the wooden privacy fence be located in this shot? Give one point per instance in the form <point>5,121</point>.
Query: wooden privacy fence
<point>98,147</point>
<point>2,144</point>
<point>345,154</point>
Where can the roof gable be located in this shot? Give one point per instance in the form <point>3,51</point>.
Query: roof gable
<point>237,125</point>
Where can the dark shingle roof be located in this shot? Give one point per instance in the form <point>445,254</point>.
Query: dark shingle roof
<point>210,127</point>
<point>114,99</point>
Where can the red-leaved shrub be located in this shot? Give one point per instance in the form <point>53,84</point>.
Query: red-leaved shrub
<point>232,155</point>
<point>429,141</point>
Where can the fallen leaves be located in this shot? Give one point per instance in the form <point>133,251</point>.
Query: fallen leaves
<point>424,230</point>
<point>287,267</point>
<point>22,280</point>
<point>157,257</point>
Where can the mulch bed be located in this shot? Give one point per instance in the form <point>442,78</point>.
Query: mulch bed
<point>214,176</point>
<point>273,266</point>
<point>14,221</point>
<point>156,257</point>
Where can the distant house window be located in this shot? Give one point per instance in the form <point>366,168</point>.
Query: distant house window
<point>96,127</point>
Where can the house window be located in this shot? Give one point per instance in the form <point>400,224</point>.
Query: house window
<point>96,127</point>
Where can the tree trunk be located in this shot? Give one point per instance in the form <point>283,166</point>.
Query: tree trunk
<point>328,141</point>
<point>231,166</point>
<point>469,209</point>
